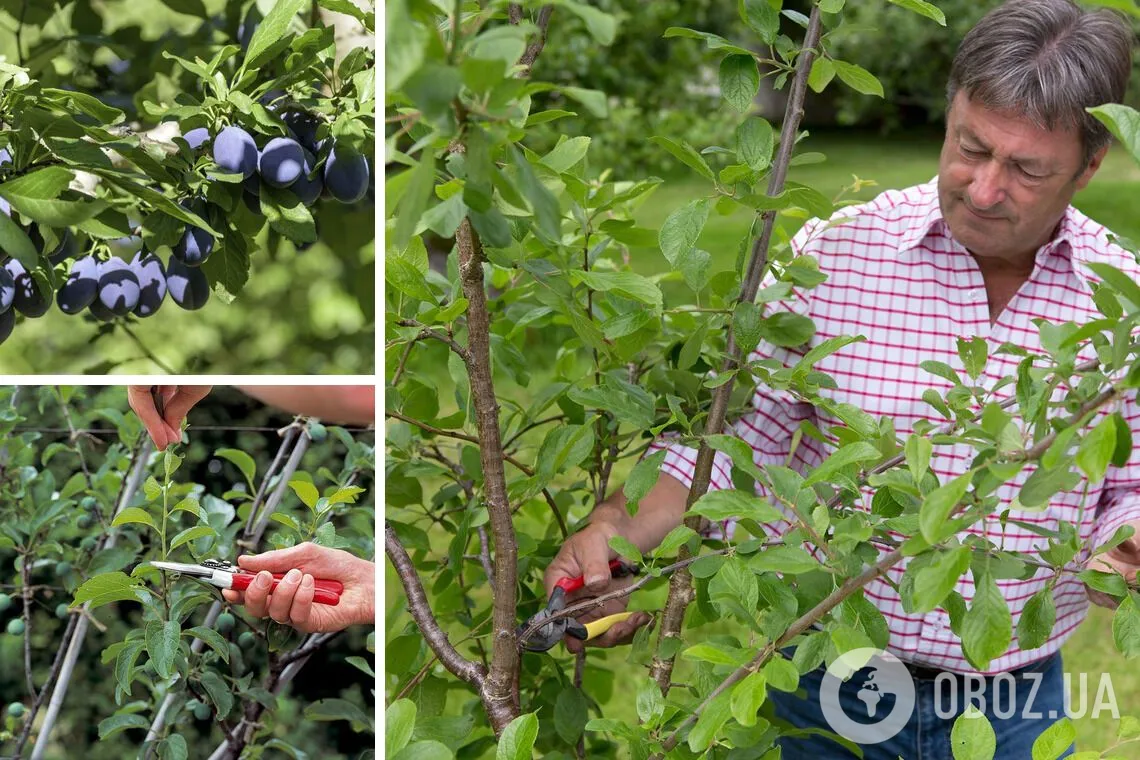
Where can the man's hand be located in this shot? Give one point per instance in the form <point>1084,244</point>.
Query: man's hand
<point>1124,559</point>
<point>587,553</point>
<point>292,602</point>
<point>165,429</point>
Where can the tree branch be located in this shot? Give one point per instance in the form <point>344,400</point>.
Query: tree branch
<point>421,612</point>
<point>428,332</point>
<point>30,719</point>
<point>535,48</point>
<point>680,585</point>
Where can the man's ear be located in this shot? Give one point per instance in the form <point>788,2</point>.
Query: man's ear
<point>1094,163</point>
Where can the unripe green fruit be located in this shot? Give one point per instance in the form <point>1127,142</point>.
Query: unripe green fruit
<point>202,712</point>
<point>89,503</point>
<point>247,640</point>
<point>88,544</point>
<point>61,611</point>
<point>16,627</point>
<point>370,642</point>
<point>5,602</point>
<point>318,432</point>
<point>84,522</point>
<point>16,710</point>
<point>225,623</point>
<point>62,568</point>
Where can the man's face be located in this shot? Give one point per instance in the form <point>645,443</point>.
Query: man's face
<point>1004,183</point>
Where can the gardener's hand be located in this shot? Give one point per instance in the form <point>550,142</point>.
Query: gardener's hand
<point>1124,559</point>
<point>292,603</point>
<point>588,553</point>
<point>165,429</point>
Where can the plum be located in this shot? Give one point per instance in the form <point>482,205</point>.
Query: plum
<point>16,627</point>
<point>5,207</point>
<point>196,137</point>
<point>66,249</point>
<point>5,156</point>
<point>152,283</point>
<point>16,710</point>
<point>308,190</point>
<point>235,151</point>
<point>81,287</point>
<point>187,285</point>
<point>195,246</point>
<point>271,99</point>
<point>303,125</point>
<point>251,194</point>
<point>100,312</point>
<point>118,287</point>
<point>346,174</point>
<point>282,161</point>
<point>7,289</point>
<point>32,299</point>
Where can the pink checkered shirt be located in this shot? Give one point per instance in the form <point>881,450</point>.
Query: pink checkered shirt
<point>897,277</point>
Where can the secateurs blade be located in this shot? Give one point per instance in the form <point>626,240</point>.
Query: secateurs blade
<point>224,574</point>
<point>550,634</point>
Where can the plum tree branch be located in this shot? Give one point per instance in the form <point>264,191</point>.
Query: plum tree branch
<point>56,665</point>
<point>680,585</point>
<point>420,609</point>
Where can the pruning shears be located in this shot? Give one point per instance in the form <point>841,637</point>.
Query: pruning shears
<point>159,403</point>
<point>550,634</point>
<point>224,574</point>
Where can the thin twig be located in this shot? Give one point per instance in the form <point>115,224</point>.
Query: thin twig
<point>143,347</point>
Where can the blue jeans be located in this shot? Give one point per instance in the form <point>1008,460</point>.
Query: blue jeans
<point>926,735</point>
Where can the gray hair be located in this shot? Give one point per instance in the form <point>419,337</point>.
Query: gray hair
<point>1047,60</point>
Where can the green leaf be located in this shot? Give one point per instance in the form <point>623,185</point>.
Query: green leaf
<point>547,214</point>
<point>938,505</point>
<point>601,26</point>
<point>709,724</point>
<point>191,534</point>
<point>594,100</point>
<point>218,692</point>
<point>305,491</point>
<point>627,402</point>
<point>1113,277</point>
<point>747,696</point>
<point>243,461</point>
<point>941,369</point>
<point>626,284</point>
<point>739,81</point>
<point>730,503</point>
<point>787,330</point>
<point>987,627</point>
<point>822,72</point>
<point>682,151</point>
<point>785,559</point>
<point>643,477</point>
<point>933,583</point>
<point>173,747</point>
<point>650,703</point>
<point>162,645</point>
<point>134,515</point>
<point>755,141</point>
<point>566,154</point>
<point>427,749</point>
<point>673,541</point>
<point>570,714</point>
<point>762,18</point>
<point>625,548</point>
<point>15,241</point>
<point>918,451</point>
<point>1037,619</point>
<point>923,8</point>
<point>681,229</point>
<point>713,41</point>
<point>517,740</point>
<point>973,353</point>
<point>853,453</point>
<point>270,31</point>
<point>972,737</point>
<point>1054,740</point>
<point>1123,122</point>
<point>858,78</point>
<point>414,202</point>
<point>1040,486</point>
<point>746,326</point>
<point>1097,449</point>
<point>108,727</point>
<point>1126,627</point>
<point>339,709</point>
<point>211,638</point>
<point>42,184</point>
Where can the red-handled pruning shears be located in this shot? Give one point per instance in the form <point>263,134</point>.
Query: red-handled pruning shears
<point>550,634</point>
<point>224,574</point>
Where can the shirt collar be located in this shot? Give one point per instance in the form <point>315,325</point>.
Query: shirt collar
<point>929,218</point>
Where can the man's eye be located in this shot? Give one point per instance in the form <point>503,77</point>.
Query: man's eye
<point>1030,175</point>
<point>971,152</point>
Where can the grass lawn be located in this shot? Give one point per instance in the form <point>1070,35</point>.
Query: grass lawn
<point>893,163</point>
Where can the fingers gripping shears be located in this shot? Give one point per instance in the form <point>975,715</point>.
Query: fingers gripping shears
<point>224,574</point>
<point>550,634</point>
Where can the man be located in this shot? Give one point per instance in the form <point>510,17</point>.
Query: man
<point>983,250</point>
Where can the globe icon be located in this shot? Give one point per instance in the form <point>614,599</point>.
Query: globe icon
<point>877,680</point>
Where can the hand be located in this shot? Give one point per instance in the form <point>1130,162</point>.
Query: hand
<point>166,429</point>
<point>588,553</point>
<point>292,602</point>
<point>1124,559</point>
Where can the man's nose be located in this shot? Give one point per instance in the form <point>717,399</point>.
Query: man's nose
<point>985,190</point>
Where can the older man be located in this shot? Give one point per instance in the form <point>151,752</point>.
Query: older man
<point>984,250</point>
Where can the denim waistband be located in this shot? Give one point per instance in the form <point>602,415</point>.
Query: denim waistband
<point>928,673</point>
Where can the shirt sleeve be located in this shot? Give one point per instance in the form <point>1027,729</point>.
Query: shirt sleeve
<point>774,417</point>
<point>1120,499</point>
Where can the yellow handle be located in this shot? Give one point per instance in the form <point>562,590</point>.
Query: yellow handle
<point>601,625</point>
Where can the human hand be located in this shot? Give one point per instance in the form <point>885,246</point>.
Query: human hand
<point>292,602</point>
<point>165,429</point>
<point>1124,559</point>
<point>587,553</point>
